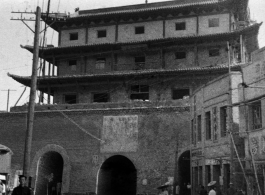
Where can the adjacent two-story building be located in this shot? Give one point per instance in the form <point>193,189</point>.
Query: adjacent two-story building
<point>252,119</point>
<point>116,116</point>
<point>213,150</point>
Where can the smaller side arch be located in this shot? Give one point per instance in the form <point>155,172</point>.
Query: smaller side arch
<point>66,167</point>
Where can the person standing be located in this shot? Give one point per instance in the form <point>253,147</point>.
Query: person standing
<point>203,191</point>
<point>177,189</point>
<point>231,190</point>
<point>22,189</point>
<point>212,187</point>
<point>1,187</point>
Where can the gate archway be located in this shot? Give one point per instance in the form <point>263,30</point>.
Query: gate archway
<point>184,171</point>
<point>117,176</point>
<point>49,174</point>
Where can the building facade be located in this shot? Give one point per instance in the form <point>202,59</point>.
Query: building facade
<point>114,94</point>
<point>252,119</point>
<point>212,120</point>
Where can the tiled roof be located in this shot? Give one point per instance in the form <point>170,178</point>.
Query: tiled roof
<point>145,7</point>
<point>25,80</point>
<point>160,40</point>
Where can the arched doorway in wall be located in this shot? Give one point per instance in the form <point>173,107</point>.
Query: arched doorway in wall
<point>184,171</point>
<point>49,174</point>
<point>117,176</point>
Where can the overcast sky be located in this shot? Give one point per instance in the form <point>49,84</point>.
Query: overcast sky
<point>15,60</point>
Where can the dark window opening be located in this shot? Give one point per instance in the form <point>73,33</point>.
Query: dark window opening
<point>181,26</point>
<point>139,62</point>
<point>139,92</point>
<point>256,114</point>
<point>70,99</point>
<point>214,52</point>
<point>199,127</point>
<point>193,139</point>
<point>223,120</point>
<point>180,94</point>
<point>100,63</point>
<point>73,36</point>
<point>139,30</point>
<point>72,64</point>
<point>102,33</point>
<point>213,22</point>
<point>101,97</point>
<point>180,55</point>
<point>208,125</point>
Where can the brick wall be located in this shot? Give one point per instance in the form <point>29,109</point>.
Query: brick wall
<point>154,159</point>
<point>153,30</point>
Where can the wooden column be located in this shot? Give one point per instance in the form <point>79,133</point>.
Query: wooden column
<point>53,62</point>
<point>43,68</point>
<point>86,38</point>
<point>116,32</point>
<point>49,94</point>
<point>49,69</point>
<point>164,28</point>
<point>162,56</point>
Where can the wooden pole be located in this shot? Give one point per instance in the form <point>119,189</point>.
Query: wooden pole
<point>31,107</point>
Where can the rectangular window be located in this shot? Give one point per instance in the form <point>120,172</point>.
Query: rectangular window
<point>72,64</point>
<point>100,63</point>
<point>192,131</point>
<point>101,97</point>
<point>139,30</point>
<point>139,92</point>
<point>213,22</point>
<point>180,55</point>
<point>178,94</point>
<point>208,129</point>
<point>102,33</point>
<point>181,26</point>
<point>70,98</point>
<point>223,121</point>
<point>208,173</point>
<point>256,115</point>
<point>199,127</point>
<point>214,52</point>
<point>139,62</point>
<point>73,36</point>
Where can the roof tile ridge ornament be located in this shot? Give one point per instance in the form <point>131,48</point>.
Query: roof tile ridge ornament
<point>172,6</point>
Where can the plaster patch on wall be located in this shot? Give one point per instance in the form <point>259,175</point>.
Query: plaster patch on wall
<point>120,134</point>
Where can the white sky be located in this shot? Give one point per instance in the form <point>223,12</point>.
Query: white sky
<point>15,60</point>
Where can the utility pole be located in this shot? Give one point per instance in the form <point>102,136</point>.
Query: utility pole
<point>8,91</point>
<point>31,107</point>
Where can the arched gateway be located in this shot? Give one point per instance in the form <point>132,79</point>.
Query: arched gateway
<point>117,176</point>
<point>184,171</point>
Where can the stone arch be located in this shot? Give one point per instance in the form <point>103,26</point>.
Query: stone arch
<point>184,172</point>
<point>66,166</point>
<point>117,175</point>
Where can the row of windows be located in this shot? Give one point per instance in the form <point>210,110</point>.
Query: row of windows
<point>211,121</point>
<point>137,92</point>
<point>213,22</point>
<point>140,60</point>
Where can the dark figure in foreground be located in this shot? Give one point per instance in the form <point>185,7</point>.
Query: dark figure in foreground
<point>22,189</point>
<point>203,191</point>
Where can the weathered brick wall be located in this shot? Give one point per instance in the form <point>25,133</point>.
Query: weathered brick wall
<point>154,159</point>
<point>93,34</point>
<point>223,24</point>
<point>65,37</point>
<point>191,25</point>
<point>153,30</point>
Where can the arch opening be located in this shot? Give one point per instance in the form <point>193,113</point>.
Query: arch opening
<point>49,174</point>
<point>184,171</point>
<point>117,176</point>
